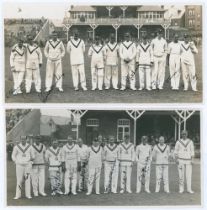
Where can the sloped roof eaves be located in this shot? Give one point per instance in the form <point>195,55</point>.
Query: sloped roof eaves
<point>82,9</point>
<point>150,9</point>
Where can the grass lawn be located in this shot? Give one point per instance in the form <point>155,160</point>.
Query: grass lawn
<point>142,199</point>
<point>105,96</point>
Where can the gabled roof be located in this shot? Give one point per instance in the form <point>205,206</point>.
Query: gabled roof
<point>82,9</point>
<point>150,9</point>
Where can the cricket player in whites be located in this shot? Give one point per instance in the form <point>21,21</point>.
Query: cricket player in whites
<point>95,159</point>
<point>33,65</point>
<point>159,47</point>
<point>126,156</point>
<point>97,54</point>
<point>174,50</point>
<point>17,64</point>
<point>76,49</point>
<point>111,166</point>
<point>38,167</point>
<point>22,156</point>
<point>54,52</point>
<point>188,49</point>
<point>144,61</point>
<point>143,158</point>
<point>161,154</point>
<point>184,154</point>
<point>111,67</point>
<point>71,160</point>
<point>82,173</point>
<point>127,53</point>
<point>53,158</point>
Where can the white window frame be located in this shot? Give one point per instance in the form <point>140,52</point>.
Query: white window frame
<point>92,124</point>
<point>123,126</point>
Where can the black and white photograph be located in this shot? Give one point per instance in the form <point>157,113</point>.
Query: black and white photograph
<point>67,53</point>
<point>80,157</point>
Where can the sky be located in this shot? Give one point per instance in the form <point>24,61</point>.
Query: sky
<point>52,10</point>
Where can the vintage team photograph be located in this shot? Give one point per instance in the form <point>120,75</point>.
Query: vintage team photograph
<point>64,157</point>
<point>63,53</point>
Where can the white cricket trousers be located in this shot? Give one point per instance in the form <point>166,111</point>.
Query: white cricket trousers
<point>125,177</point>
<point>158,72</point>
<point>97,78</point>
<point>188,71</point>
<point>23,174</point>
<point>143,172</point>
<point>111,73</point>
<point>111,176</point>
<point>55,180</point>
<point>127,73</point>
<point>162,174</point>
<point>184,169</point>
<point>144,71</point>
<point>82,176</point>
<point>174,62</point>
<point>18,79</point>
<point>38,179</point>
<point>94,175</point>
<point>70,179</point>
<point>76,71</point>
<point>33,75</point>
<point>54,68</point>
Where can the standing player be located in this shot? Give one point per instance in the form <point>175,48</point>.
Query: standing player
<point>184,153</point>
<point>38,167</point>
<point>144,61</point>
<point>54,52</point>
<point>143,158</point>
<point>126,157</point>
<point>22,156</point>
<point>97,54</point>
<point>174,50</point>
<point>159,47</point>
<point>17,63</point>
<point>127,52</point>
<point>188,49</point>
<point>53,157</point>
<point>71,160</point>
<point>33,65</point>
<point>111,68</point>
<point>83,151</point>
<point>95,158</point>
<point>161,153</point>
<point>111,166</point>
<point>76,49</point>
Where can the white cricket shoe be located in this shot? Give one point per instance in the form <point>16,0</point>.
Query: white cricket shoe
<point>76,89</point>
<point>147,191</point>
<point>16,197</point>
<point>43,194</point>
<point>133,88</point>
<point>47,89</point>
<point>84,88</point>
<point>28,197</point>
<point>88,193</point>
<point>60,89</point>
<point>181,191</point>
<point>121,191</point>
<point>190,191</point>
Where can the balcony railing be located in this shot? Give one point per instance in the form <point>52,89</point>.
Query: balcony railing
<point>120,21</point>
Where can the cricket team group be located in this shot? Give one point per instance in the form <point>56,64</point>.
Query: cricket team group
<point>78,167</point>
<point>149,58</point>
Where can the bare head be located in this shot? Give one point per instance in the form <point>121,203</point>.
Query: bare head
<point>96,142</point>
<point>144,140</point>
<point>76,34</point>
<point>23,140</point>
<point>37,139</point>
<point>127,36</point>
<point>126,139</point>
<point>55,143</point>
<point>80,142</point>
<point>30,40</point>
<point>184,134</point>
<point>70,140</point>
<point>54,36</point>
<point>161,140</point>
<point>176,38</point>
<point>20,43</point>
<point>112,38</point>
<point>159,34</point>
<point>111,140</point>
